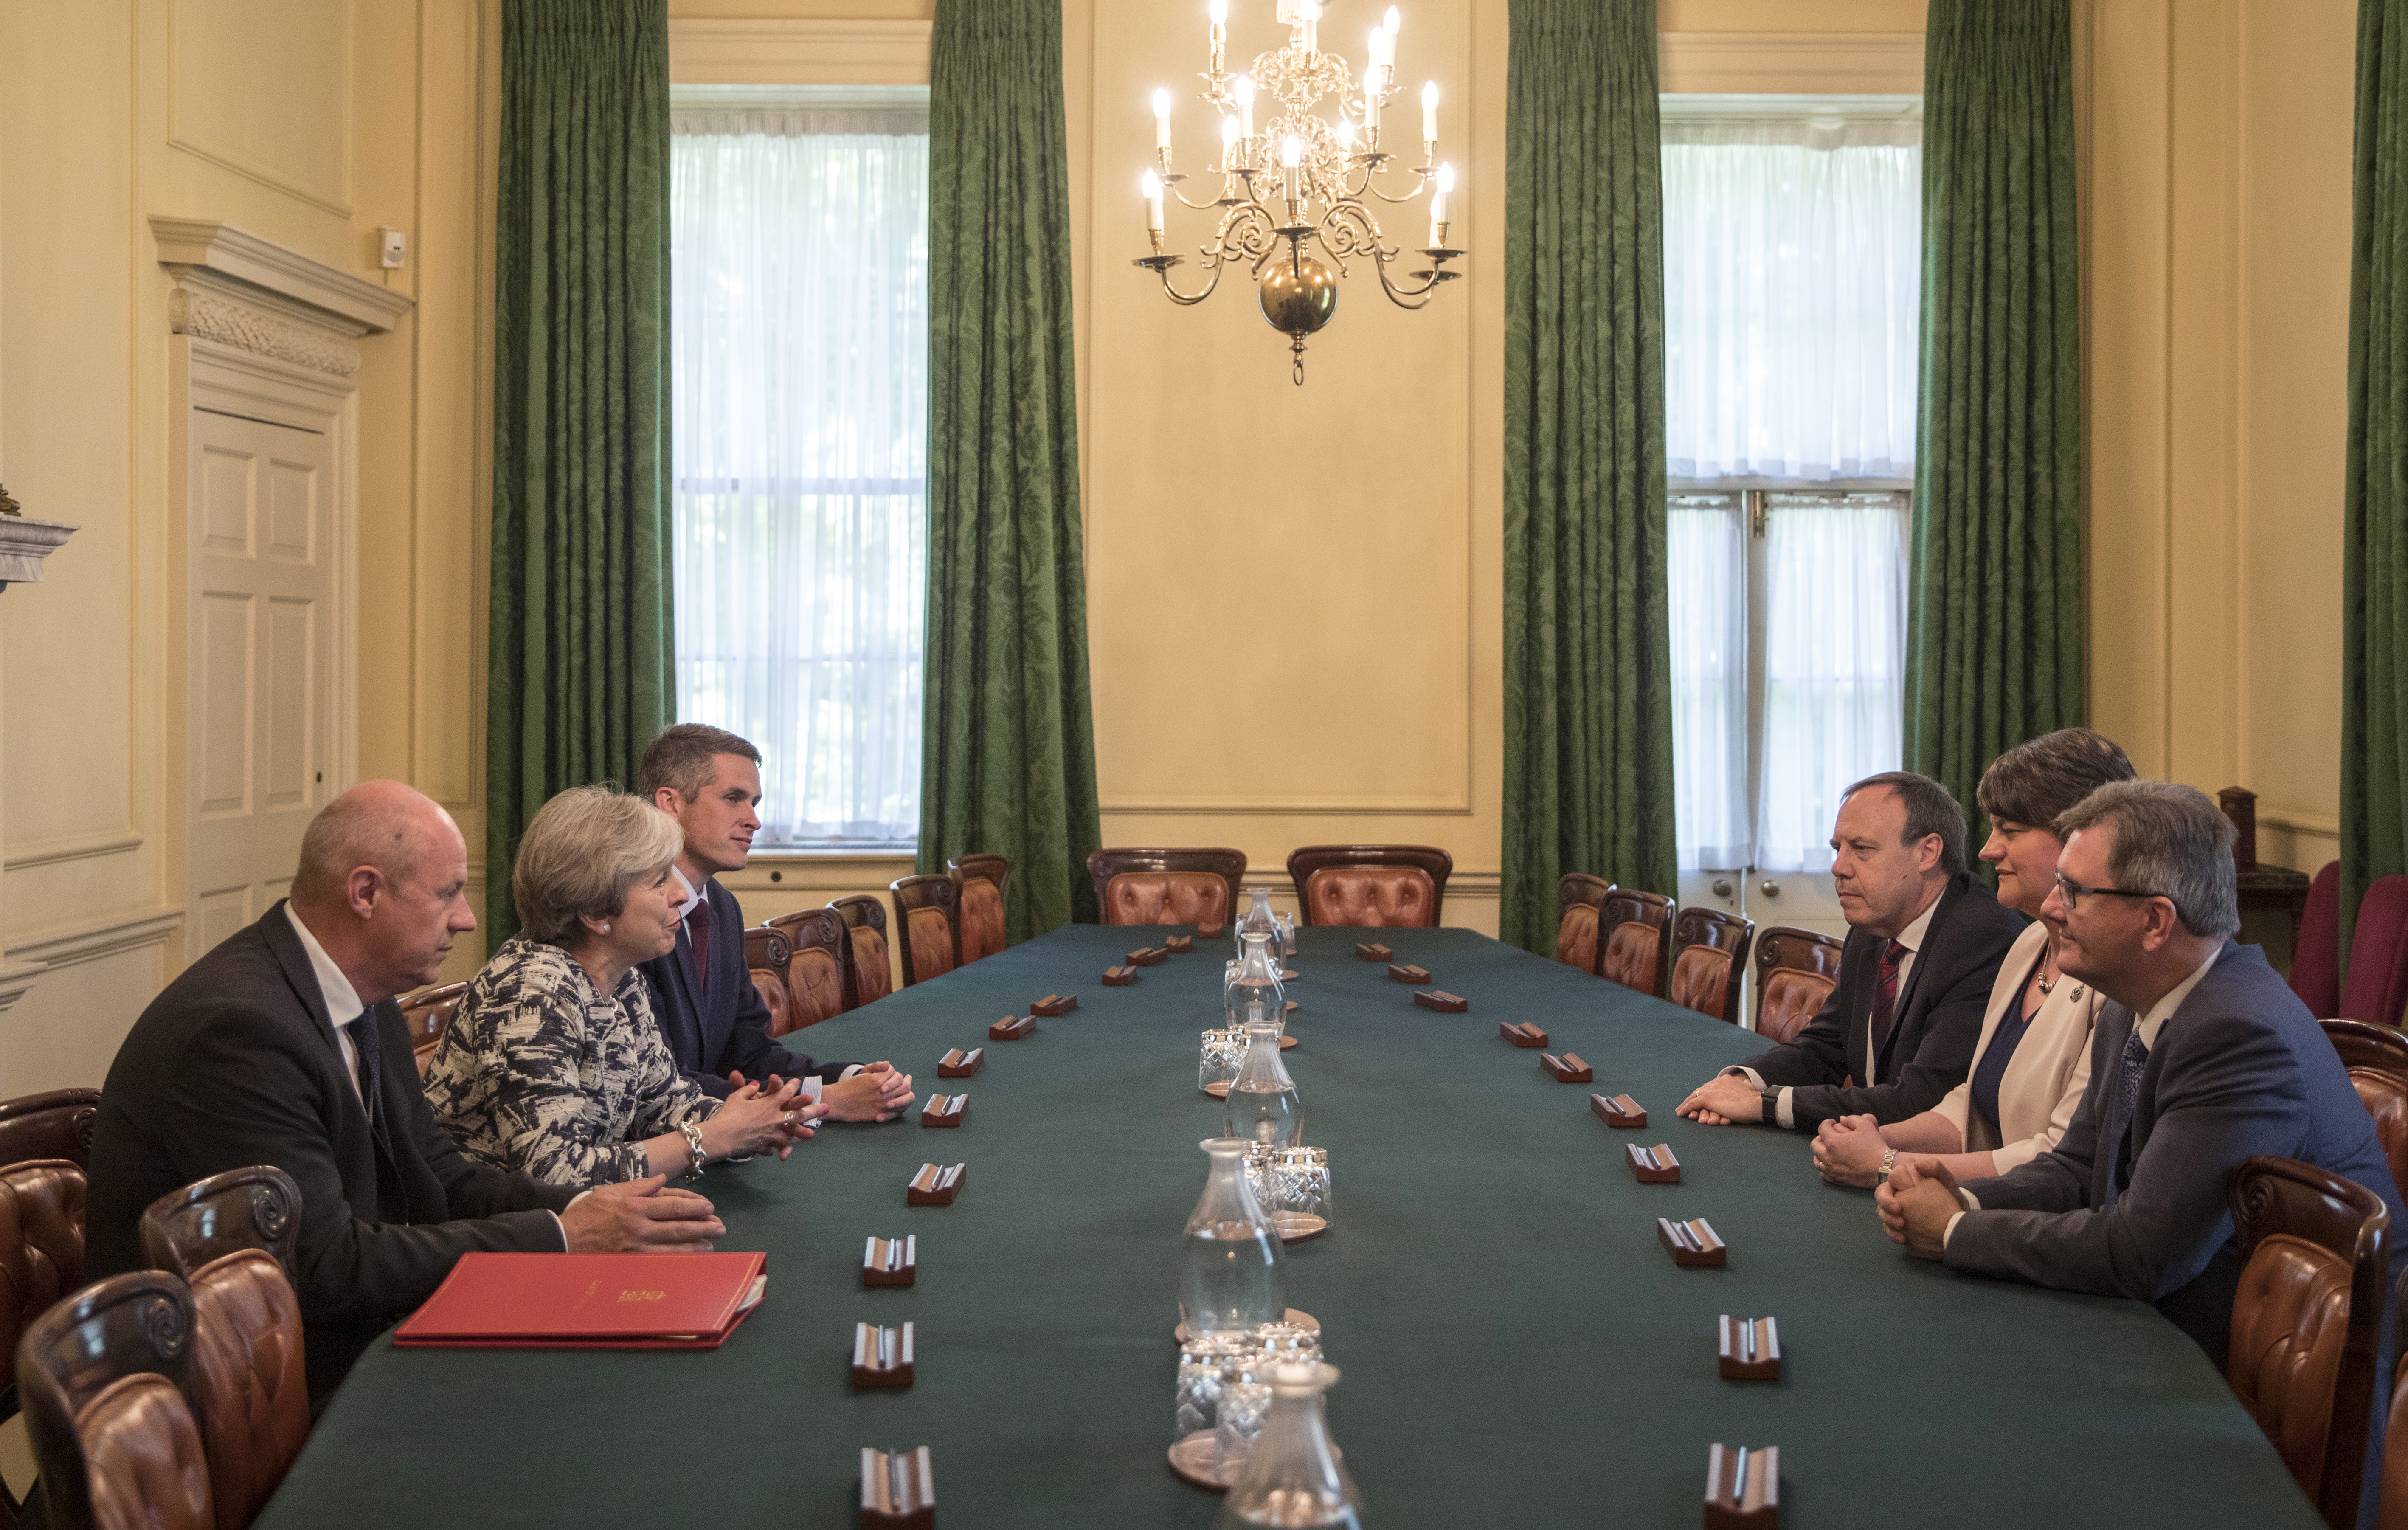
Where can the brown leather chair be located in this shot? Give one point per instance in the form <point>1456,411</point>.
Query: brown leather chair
<point>980,880</point>
<point>1709,960</point>
<point>2392,1503</point>
<point>766,956</point>
<point>41,1260</point>
<point>1167,886</point>
<point>254,1207</point>
<point>2377,1059</point>
<point>426,1013</point>
<point>925,910</point>
<point>1636,941</point>
<point>1580,896</point>
<point>1795,972</point>
<point>54,1125</point>
<point>249,1378</point>
<point>864,928</point>
<point>818,978</point>
<point>2307,1320</point>
<point>1371,886</point>
<point>107,1381</point>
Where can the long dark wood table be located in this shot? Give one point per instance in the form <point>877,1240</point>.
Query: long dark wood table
<point>1516,1348</point>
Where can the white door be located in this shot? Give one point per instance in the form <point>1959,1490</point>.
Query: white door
<point>261,598</point>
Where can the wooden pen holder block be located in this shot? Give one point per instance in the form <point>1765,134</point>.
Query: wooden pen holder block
<point>934,1186</point>
<point>1012,1029</point>
<point>1147,957</point>
<point>1374,953</point>
<point>1743,1488</point>
<point>1568,1069</point>
<point>1178,945</point>
<point>944,1109</point>
<point>1523,1034</point>
<point>891,1262</point>
<point>1692,1244</point>
<point>1654,1165</point>
<point>1054,1003</point>
<point>899,1490</point>
<point>1617,1110</point>
<point>1409,974</point>
<point>1119,977</point>
<point>959,1064</point>
<point>1750,1349</point>
<point>882,1357</point>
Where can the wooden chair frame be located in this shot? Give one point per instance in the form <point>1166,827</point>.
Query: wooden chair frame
<point>860,910</point>
<point>1698,926</point>
<point>254,1207</point>
<point>1637,906</point>
<point>1228,865</point>
<point>125,1325</point>
<point>1786,948</point>
<point>55,1123</point>
<point>983,868</point>
<point>1575,888</point>
<point>934,889</point>
<point>428,1014</point>
<point>1305,860</point>
<point>2364,1044</point>
<point>819,929</point>
<point>768,950</point>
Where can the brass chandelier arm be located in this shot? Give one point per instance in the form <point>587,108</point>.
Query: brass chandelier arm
<point>1398,295</point>
<point>1162,265</point>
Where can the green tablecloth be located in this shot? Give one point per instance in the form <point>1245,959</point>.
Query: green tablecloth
<point>1516,1348</point>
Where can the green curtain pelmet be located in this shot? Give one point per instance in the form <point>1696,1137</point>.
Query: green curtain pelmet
<point>1994,648</point>
<point>1588,697</point>
<point>578,663</point>
<point>1008,745</point>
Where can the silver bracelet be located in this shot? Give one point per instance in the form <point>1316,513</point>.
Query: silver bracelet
<point>1881,1176</point>
<point>694,1149</point>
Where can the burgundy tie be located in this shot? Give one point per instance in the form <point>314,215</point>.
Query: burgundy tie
<point>698,924</point>
<point>1885,1005</point>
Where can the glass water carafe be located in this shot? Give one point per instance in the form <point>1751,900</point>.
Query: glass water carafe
<point>1263,1108</point>
<point>1258,920</point>
<point>1293,1476</point>
<point>1230,1264</point>
<point>1254,992</point>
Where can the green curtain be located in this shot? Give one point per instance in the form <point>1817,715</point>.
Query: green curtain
<point>2374,488</point>
<point>1588,688</point>
<point>1994,652</point>
<point>1008,763</point>
<point>578,663</point>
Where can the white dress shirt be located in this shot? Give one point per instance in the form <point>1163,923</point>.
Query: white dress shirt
<point>1912,937</point>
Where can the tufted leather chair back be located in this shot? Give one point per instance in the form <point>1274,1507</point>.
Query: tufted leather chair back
<point>2377,1059</point>
<point>145,1459</point>
<point>766,953</point>
<point>982,880</point>
<point>56,1124</point>
<point>1795,972</point>
<point>41,1253</point>
<point>816,981</point>
<point>1371,886</point>
<point>1195,886</point>
<point>2391,1505</point>
<point>1708,961</point>
<point>2307,1319</point>
<point>926,906</point>
<point>1579,895</point>
<point>248,1379</point>
<point>426,1013</point>
<point>254,1207</point>
<point>1638,926</point>
<point>865,924</point>
<point>71,1356</point>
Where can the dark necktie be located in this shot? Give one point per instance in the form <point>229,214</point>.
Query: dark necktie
<point>698,924</point>
<point>1885,1007</point>
<point>2128,1103</point>
<point>393,1202</point>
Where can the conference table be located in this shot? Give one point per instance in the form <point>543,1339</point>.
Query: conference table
<point>1515,1346</point>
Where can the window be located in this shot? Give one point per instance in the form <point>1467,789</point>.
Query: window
<point>1792,270</point>
<point>799,343</point>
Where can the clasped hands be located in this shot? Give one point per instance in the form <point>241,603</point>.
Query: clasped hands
<point>1723,1100</point>
<point>1917,1206</point>
<point>877,1093</point>
<point>1848,1151</point>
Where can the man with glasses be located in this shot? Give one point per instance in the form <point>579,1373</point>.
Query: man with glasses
<point>2201,1057</point>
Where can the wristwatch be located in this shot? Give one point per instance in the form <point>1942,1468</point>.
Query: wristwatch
<point>1771,1098</point>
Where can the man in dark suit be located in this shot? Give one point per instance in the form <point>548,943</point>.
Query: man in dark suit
<point>284,1046</point>
<point>1924,946</point>
<point>717,1028</point>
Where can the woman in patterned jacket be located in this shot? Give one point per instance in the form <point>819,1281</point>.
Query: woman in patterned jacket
<point>554,1063</point>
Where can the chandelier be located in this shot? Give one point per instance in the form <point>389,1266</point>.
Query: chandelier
<point>1302,179</point>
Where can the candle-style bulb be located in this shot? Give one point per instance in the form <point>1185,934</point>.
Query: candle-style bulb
<point>1228,134</point>
<point>1391,21</point>
<point>1429,112</point>
<point>1293,156</point>
<point>1445,178</point>
<point>1150,184</point>
<point>1429,95</point>
<point>1219,10</point>
<point>1162,103</point>
<point>1244,87</point>
<point>1346,130</point>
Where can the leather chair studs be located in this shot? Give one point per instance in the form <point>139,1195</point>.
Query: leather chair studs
<point>1371,886</point>
<point>1795,972</point>
<point>1195,886</point>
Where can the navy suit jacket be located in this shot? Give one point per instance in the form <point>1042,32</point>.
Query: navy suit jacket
<point>1939,1020</point>
<point>711,1028</point>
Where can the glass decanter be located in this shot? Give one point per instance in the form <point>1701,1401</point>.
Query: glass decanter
<point>1263,1108</point>
<point>1258,920</point>
<point>1293,1476</point>
<point>1254,992</point>
<point>1230,1265</point>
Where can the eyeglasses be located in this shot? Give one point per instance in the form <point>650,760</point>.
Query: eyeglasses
<point>2073,892</point>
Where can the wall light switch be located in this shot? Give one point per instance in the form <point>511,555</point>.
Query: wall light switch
<point>392,249</point>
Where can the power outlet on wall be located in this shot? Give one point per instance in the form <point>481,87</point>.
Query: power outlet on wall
<point>393,249</point>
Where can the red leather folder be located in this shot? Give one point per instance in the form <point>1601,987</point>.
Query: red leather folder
<point>589,1301</point>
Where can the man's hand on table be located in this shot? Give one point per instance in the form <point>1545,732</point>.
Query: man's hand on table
<point>1848,1150</point>
<point>640,1216</point>
<point>1725,1100</point>
<point>1917,1206</point>
<point>877,1093</point>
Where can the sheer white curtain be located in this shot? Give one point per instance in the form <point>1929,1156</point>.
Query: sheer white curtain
<point>1793,257</point>
<point>1792,273</point>
<point>799,336</point>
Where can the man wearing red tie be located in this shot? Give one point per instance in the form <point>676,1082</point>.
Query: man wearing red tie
<point>717,1028</point>
<point>1924,941</point>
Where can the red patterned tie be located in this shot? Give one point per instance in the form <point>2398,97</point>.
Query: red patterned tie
<point>698,924</point>
<point>1885,1005</point>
